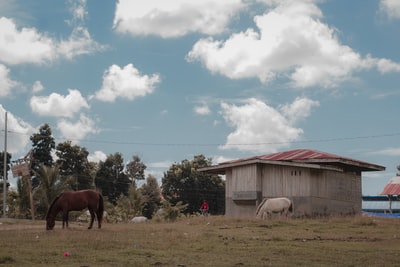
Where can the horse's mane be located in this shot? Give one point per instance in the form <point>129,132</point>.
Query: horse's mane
<point>51,206</point>
<point>261,204</point>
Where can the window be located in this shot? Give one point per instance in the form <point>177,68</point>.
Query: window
<point>296,172</point>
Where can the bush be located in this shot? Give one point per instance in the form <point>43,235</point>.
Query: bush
<point>170,213</point>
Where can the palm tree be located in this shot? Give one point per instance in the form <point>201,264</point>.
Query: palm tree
<point>50,186</point>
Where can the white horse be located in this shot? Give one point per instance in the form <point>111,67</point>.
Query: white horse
<point>268,206</point>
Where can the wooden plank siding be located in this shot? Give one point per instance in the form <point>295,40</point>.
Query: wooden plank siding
<point>286,181</point>
<point>243,178</point>
<point>313,191</point>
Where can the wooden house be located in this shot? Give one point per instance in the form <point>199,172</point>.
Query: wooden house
<point>318,183</point>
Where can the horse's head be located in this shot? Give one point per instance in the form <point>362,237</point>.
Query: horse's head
<point>50,222</point>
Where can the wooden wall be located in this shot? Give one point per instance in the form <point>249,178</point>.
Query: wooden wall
<point>285,181</point>
<point>313,191</point>
<point>242,190</point>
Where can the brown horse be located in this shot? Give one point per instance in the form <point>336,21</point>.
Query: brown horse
<point>75,201</point>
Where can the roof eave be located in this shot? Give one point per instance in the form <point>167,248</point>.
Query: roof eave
<point>221,168</point>
<point>363,166</point>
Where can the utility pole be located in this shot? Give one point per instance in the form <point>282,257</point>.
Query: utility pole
<point>5,169</point>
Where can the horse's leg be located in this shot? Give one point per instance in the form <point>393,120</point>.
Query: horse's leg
<point>98,219</point>
<point>91,218</point>
<point>282,213</point>
<point>65,219</point>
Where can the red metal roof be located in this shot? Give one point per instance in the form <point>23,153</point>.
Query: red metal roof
<point>393,187</point>
<point>299,154</point>
<point>312,156</point>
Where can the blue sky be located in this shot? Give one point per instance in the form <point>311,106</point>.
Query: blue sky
<point>167,80</point>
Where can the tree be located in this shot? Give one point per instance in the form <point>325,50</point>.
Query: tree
<point>111,179</point>
<point>126,207</point>
<point>23,198</point>
<point>5,179</point>
<point>8,159</point>
<point>73,162</point>
<point>135,169</point>
<point>50,186</point>
<point>42,145</point>
<point>182,182</point>
<point>12,204</point>
<point>151,196</point>
<point>169,212</point>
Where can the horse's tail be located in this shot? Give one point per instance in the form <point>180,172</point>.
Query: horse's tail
<point>100,209</point>
<point>291,208</point>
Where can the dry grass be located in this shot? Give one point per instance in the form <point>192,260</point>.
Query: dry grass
<point>350,241</point>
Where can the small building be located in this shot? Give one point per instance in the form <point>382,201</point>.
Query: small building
<point>392,188</point>
<point>392,191</point>
<point>318,183</point>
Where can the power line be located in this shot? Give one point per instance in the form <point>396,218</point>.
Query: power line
<point>322,140</point>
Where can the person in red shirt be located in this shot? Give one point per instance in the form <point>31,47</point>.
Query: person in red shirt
<point>204,208</point>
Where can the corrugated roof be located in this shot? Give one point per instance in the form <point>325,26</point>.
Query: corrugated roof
<point>392,187</point>
<point>313,156</point>
<point>300,154</point>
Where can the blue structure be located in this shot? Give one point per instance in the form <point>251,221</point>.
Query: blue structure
<point>381,206</point>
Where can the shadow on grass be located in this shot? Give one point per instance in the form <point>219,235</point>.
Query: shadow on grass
<point>6,259</point>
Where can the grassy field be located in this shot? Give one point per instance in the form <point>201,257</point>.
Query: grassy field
<point>218,241</point>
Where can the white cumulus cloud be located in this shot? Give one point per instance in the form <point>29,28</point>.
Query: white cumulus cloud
<point>78,10</point>
<point>6,83</point>
<point>385,65</point>
<point>391,8</point>
<point>126,82</point>
<point>25,45</point>
<point>301,108</point>
<point>57,105</point>
<point>261,128</point>
<point>290,41</point>
<point>97,156</point>
<point>37,87</point>
<point>19,132</point>
<point>392,151</point>
<point>77,130</point>
<point>20,45</point>
<point>202,110</point>
<point>79,43</point>
<point>174,18</point>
